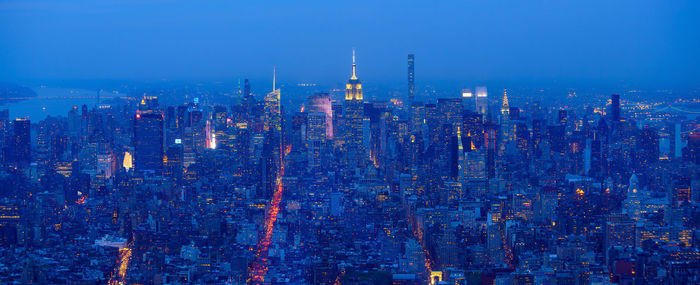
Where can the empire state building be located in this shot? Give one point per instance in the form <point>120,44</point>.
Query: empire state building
<point>354,114</point>
<point>353,90</point>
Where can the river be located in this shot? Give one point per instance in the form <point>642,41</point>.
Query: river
<point>52,101</point>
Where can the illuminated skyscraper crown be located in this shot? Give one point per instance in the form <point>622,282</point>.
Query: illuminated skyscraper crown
<point>353,89</point>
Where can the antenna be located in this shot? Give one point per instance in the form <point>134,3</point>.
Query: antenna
<point>354,75</point>
<point>274,73</point>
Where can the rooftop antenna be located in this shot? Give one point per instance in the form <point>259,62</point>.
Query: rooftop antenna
<point>274,73</point>
<point>354,76</point>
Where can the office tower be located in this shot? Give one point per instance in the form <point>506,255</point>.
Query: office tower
<point>505,108</point>
<point>675,140</point>
<point>482,100</point>
<point>148,142</point>
<point>432,120</point>
<point>220,115</point>
<point>522,137</point>
<point>450,110</point>
<point>315,138</point>
<point>417,117</point>
<point>354,116</point>
<point>615,108</point>
<point>557,138</point>
<point>246,89</point>
<point>197,131</point>
<point>469,100</point>
<point>248,102</point>
<point>316,126</point>
<point>21,143</point>
<point>174,162</point>
<point>490,130</point>
<point>182,117</point>
<point>299,129</point>
<point>634,197</point>
<point>273,117</point>
<point>411,81</point>
<point>692,151</point>
<point>473,130</point>
<point>648,147</point>
<point>321,103</point>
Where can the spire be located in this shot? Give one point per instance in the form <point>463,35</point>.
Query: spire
<point>274,73</point>
<point>505,109</point>
<point>354,66</point>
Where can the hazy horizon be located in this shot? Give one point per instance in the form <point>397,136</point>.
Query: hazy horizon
<point>635,43</point>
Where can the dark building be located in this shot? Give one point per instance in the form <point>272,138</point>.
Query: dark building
<point>648,147</point>
<point>615,108</point>
<point>692,151</point>
<point>411,80</point>
<point>148,142</point>
<point>563,118</point>
<point>473,128</point>
<point>21,142</point>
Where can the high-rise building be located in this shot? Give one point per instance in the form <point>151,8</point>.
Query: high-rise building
<point>316,126</point>
<point>692,151</point>
<point>321,103</point>
<point>272,148</point>
<point>468,99</point>
<point>648,147</point>
<point>21,143</point>
<point>432,120</point>
<point>417,117</point>
<point>411,80</point>
<point>148,142</point>
<point>633,201</point>
<point>473,130</point>
<point>675,140</point>
<point>4,129</point>
<point>505,108</point>
<point>354,116</point>
<point>451,111</point>
<point>615,108</point>
<point>174,162</point>
<point>315,138</point>
<point>482,100</point>
<point>273,117</point>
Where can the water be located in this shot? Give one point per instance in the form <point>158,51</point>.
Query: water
<point>53,102</point>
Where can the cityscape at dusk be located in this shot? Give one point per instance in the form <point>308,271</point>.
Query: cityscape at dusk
<point>362,142</point>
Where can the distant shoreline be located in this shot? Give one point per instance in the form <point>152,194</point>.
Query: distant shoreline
<point>10,92</point>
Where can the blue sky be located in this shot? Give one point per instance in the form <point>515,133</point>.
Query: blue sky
<point>638,42</point>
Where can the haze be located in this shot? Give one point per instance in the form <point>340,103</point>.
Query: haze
<point>638,42</point>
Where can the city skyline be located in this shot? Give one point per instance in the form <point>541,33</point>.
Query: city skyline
<point>401,143</point>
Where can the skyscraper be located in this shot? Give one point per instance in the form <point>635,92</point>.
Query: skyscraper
<point>505,108</point>
<point>273,118</point>
<point>468,99</point>
<point>148,142</point>
<point>633,201</point>
<point>21,143</point>
<point>450,110</point>
<point>315,138</point>
<point>273,128</point>
<point>321,103</point>
<point>354,116</point>
<point>615,107</point>
<point>411,80</point>
<point>482,100</point>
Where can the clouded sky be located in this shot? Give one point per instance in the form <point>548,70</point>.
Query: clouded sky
<point>633,41</point>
